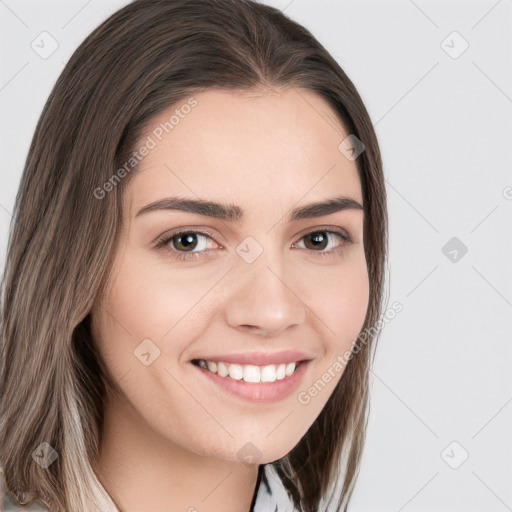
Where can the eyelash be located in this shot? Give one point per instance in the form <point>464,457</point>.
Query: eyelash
<point>162,243</point>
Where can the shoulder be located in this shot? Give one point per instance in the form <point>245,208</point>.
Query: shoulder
<point>8,502</point>
<point>272,496</point>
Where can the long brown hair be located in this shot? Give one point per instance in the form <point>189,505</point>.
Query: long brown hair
<point>147,56</point>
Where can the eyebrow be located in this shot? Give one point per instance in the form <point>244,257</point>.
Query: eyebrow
<point>233,213</point>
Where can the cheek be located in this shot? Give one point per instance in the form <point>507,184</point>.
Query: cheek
<point>339,303</point>
<point>340,298</point>
<point>149,302</point>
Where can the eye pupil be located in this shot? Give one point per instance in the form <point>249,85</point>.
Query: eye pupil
<point>319,239</point>
<point>189,238</point>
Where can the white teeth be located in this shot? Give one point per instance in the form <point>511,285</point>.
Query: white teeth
<point>235,371</point>
<point>290,368</point>
<point>222,370</point>
<point>250,372</point>
<point>268,373</point>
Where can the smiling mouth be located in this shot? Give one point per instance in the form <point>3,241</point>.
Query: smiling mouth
<point>249,372</point>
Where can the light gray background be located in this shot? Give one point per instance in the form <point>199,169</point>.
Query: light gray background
<point>442,370</point>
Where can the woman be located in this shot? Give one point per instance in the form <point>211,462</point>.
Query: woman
<point>196,261</point>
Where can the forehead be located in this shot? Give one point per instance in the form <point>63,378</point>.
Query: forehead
<point>258,147</point>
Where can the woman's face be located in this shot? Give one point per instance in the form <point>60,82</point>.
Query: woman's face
<point>247,284</point>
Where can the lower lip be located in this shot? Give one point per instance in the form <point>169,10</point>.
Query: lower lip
<point>261,392</point>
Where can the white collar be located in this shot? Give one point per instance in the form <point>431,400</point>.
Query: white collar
<point>272,496</point>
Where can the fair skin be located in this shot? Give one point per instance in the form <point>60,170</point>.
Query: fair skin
<point>170,442</point>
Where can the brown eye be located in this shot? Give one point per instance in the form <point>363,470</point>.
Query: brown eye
<point>186,244</point>
<point>185,241</point>
<point>319,240</point>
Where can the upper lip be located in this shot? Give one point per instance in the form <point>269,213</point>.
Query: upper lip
<point>259,358</point>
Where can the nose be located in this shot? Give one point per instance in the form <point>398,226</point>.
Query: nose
<point>263,300</point>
